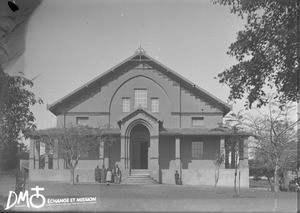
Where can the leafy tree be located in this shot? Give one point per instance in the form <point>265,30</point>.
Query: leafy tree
<point>258,169</point>
<point>13,29</point>
<point>16,117</point>
<point>74,142</point>
<point>267,51</point>
<point>218,161</point>
<point>234,146</point>
<point>275,144</point>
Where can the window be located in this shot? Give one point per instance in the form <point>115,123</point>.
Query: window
<point>198,121</point>
<point>140,98</point>
<point>82,120</point>
<point>154,104</point>
<point>197,150</point>
<point>126,105</point>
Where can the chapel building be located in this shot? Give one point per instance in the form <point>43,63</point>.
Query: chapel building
<point>164,123</point>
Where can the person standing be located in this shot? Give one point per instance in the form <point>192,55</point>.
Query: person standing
<point>176,178</point>
<point>97,174</point>
<point>117,174</point>
<point>103,174</point>
<point>113,178</point>
<point>108,176</point>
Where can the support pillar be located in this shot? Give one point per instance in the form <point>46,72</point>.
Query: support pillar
<point>154,157</point>
<point>46,161</point>
<point>31,154</point>
<point>37,155</point>
<point>245,153</point>
<point>61,164</point>
<point>127,153</point>
<point>222,152</point>
<point>55,155</point>
<point>106,157</point>
<point>106,162</point>
<point>123,148</point>
<point>101,153</point>
<point>177,152</point>
<point>46,165</point>
<point>177,156</point>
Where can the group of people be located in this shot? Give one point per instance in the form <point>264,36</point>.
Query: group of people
<point>108,175</point>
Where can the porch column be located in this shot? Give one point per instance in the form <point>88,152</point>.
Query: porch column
<point>222,152</point>
<point>37,155</point>
<point>101,153</point>
<point>154,157</point>
<point>46,157</point>
<point>123,148</point>
<point>127,150</point>
<point>106,162</point>
<point>106,154</point>
<point>31,154</point>
<point>55,155</point>
<point>177,153</point>
<point>245,152</point>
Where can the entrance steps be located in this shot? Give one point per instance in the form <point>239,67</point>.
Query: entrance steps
<point>139,177</point>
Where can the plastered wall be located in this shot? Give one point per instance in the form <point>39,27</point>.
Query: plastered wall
<point>105,107</point>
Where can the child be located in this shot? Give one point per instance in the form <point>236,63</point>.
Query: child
<point>108,176</point>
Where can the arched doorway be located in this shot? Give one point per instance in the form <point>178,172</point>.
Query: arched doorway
<point>139,143</point>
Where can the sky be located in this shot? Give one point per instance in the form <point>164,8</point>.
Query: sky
<point>70,42</point>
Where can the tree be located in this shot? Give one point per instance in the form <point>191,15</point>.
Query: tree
<point>74,142</point>
<point>16,117</point>
<point>275,141</point>
<point>234,146</point>
<point>218,161</point>
<point>275,144</point>
<point>258,168</point>
<point>267,51</point>
<point>12,31</point>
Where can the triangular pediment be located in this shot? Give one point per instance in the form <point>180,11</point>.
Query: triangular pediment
<point>137,112</point>
<point>140,60</point>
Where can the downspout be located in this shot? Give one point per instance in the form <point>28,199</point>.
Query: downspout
<point>65,163</point>
<point>180,104</point>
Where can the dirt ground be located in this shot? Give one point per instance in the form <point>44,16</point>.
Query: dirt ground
<point>155,198</point>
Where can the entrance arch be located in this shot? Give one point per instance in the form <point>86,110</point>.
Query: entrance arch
<point>139,143</point>
<point>147,125</point>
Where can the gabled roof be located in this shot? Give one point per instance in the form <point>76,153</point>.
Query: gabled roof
<point>137,111</point>
<point>140,56</point>
<point>162,132</point>
<point>203,132</point>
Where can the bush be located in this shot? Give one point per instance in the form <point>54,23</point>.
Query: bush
<point>256,178</point>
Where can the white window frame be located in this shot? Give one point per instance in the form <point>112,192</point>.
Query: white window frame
<point>197,121</point>
<point>125,105</point>
<point>197,149</point>
<point>140,98</point>
<point>154,105</point>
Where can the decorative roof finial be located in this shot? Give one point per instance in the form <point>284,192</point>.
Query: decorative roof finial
<point>140,51</point>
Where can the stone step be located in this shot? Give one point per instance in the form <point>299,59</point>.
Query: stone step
<point>139,172</point>
<point>139,176</point>
<point>140,181</point>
